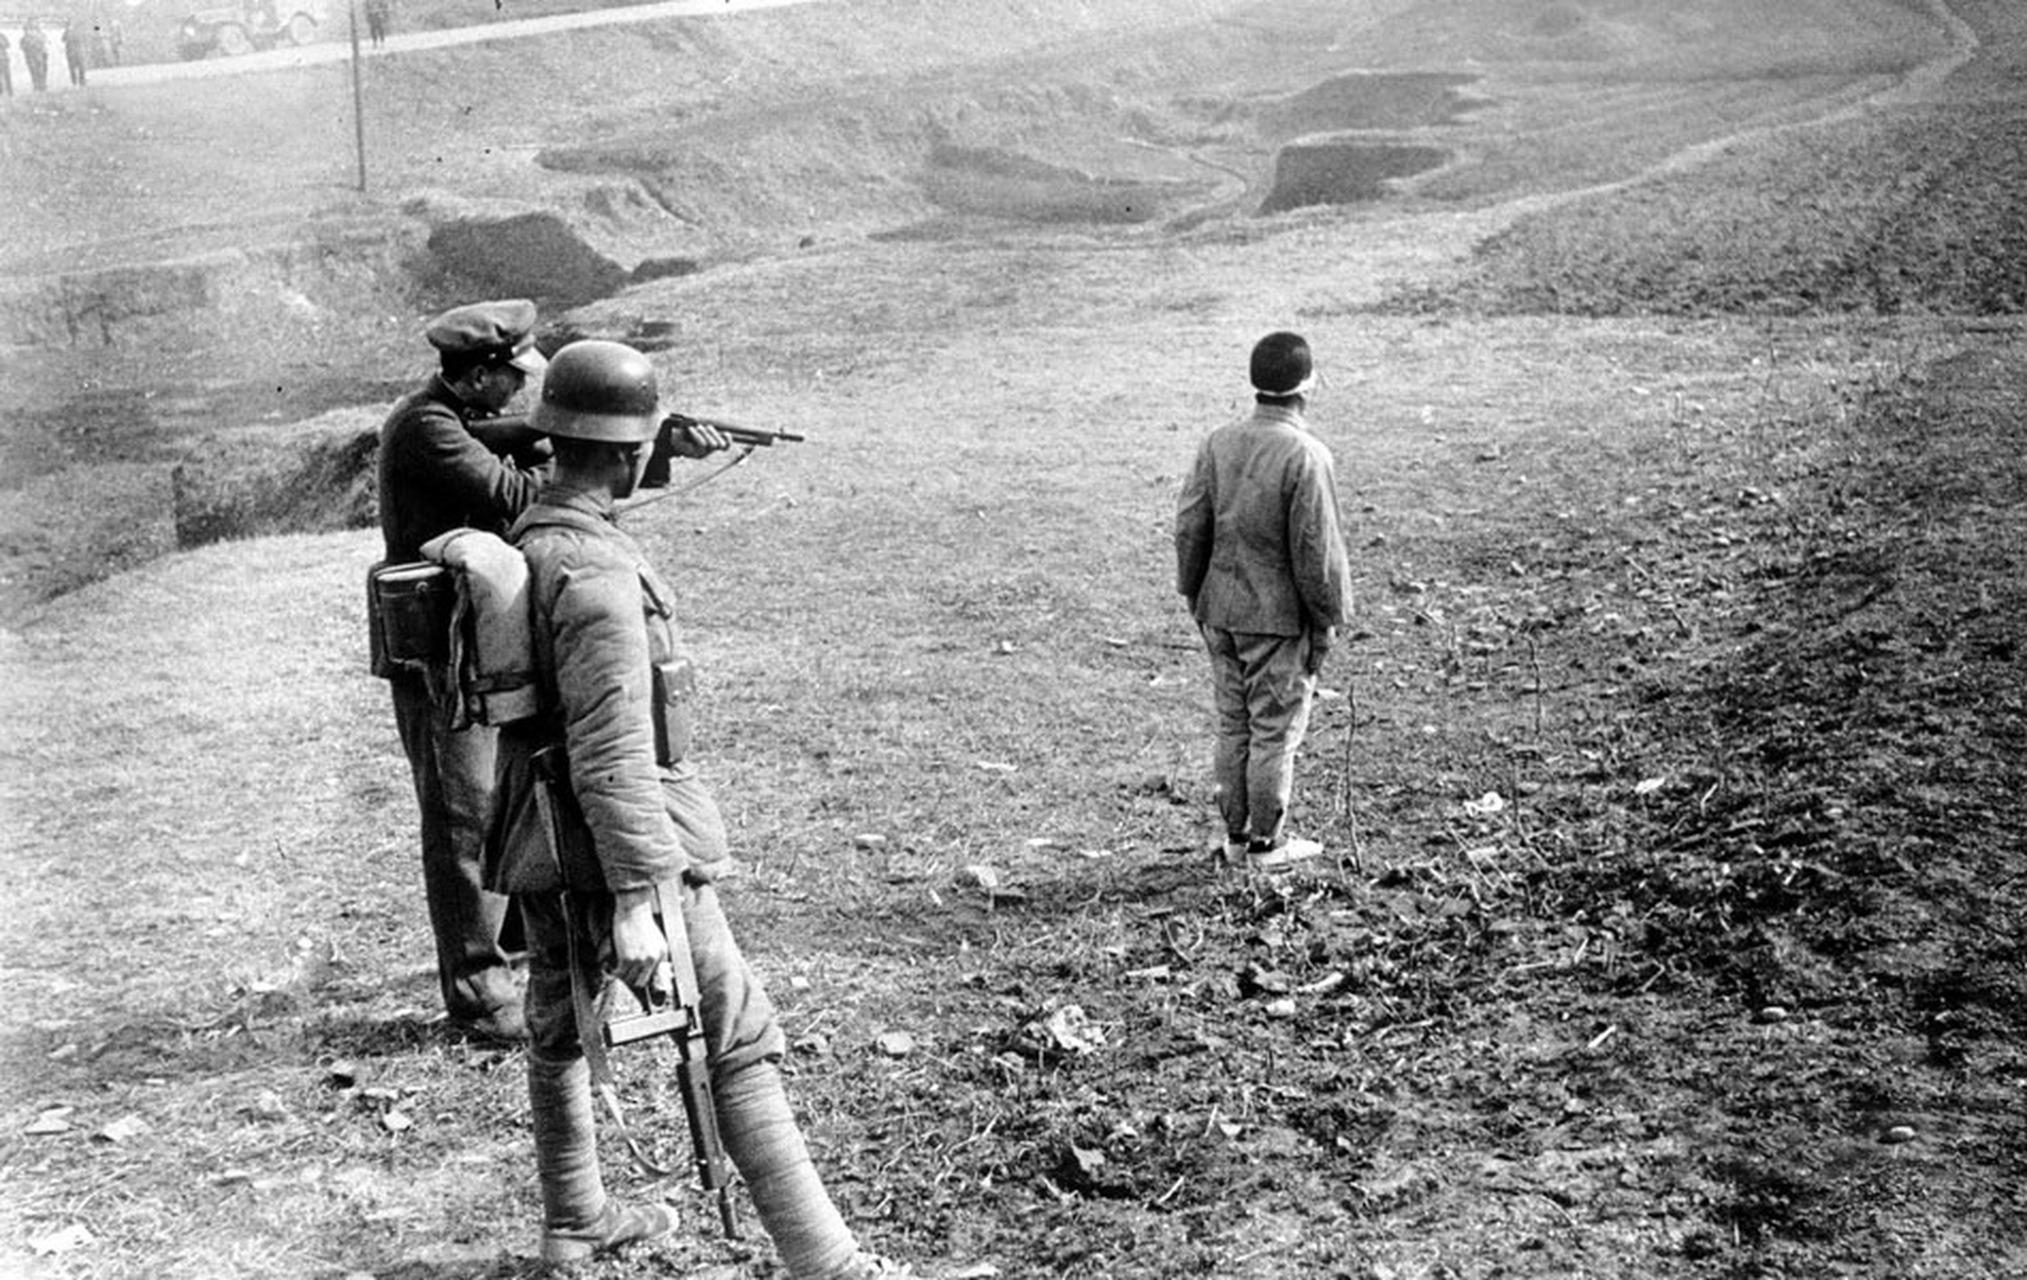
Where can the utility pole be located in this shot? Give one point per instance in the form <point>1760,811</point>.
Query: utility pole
<point>358,96</point>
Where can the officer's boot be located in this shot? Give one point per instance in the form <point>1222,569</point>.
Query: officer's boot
<point>761,1136</point>
<point>578,1220</point>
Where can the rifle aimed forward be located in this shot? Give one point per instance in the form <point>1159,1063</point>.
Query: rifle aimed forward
<point>511,435</point>
<point>749,438</point>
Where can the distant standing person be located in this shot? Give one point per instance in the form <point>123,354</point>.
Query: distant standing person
<point>378,14</point>
<point>35,52</point>
<point>74,52</point>
<point>438,474</point>
<point>1260,558</point>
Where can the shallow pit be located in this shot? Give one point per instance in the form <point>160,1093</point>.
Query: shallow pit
<point>1344,171</point>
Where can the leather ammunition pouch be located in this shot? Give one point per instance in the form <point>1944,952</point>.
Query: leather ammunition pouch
<point>408,612</point>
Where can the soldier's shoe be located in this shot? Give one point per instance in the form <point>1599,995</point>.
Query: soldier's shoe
<point>503,1024</point>
<point>1264,859</point>
<point>619,1224</point>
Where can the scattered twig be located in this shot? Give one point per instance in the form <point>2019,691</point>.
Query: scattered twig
<point>1347,809</point>
<point>1534,666</point>
<point>1175,946</point>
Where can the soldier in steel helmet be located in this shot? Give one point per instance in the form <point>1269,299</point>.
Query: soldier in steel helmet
<point>439,471</point>
<point>1261,560</point>
<point>637,826</point>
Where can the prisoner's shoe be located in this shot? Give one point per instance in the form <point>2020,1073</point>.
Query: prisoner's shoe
<point>619,1224</point>
<point>1266,860</point>
<point>871,1266</point>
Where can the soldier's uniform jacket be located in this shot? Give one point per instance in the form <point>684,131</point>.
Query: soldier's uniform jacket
<point>435,475</point>
<point>602,620</point>
<point>1257,539</point>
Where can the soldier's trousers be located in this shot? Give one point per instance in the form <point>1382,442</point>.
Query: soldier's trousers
<point>453,789</point>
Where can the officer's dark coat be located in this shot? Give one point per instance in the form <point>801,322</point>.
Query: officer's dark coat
<point>436,476</point>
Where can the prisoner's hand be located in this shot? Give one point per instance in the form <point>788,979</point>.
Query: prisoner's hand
<point>1320,643</point>
<point>638,944</point>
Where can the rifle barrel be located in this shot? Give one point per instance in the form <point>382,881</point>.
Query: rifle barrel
<point>739,433</point>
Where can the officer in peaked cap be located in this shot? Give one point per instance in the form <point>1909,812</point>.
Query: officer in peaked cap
<point>445,465</point>
<point>493,332</point>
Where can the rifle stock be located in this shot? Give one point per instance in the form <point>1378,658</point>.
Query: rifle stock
<point>511,435</point>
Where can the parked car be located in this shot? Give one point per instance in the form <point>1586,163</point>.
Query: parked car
<point>242,28</point>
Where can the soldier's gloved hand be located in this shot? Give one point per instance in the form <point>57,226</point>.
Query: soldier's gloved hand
<point>694,439</point>
<point>638,944</point>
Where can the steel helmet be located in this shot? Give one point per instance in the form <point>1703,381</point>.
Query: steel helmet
<point>599,390</point>
<point>1281,365</point>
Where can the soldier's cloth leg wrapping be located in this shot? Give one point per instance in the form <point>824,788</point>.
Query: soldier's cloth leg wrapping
<point>453,785</point>
<point>559,1078</point>
<point>766,1145</point>
<point>566,1146</point>
<point>754,1120</point>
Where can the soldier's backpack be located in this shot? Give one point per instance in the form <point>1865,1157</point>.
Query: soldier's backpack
<point>458,618</point>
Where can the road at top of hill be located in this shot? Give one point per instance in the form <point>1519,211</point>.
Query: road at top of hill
<point>337,47</point>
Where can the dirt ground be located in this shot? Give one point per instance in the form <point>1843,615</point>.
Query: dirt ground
<point>1673,922</point>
